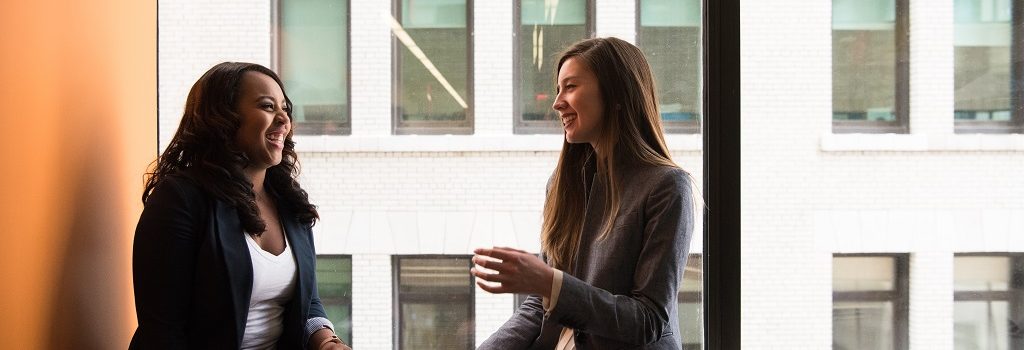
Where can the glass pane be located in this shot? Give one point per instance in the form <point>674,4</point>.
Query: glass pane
<point>863,60</point>
<point>691,313</point>
<point>435,298</point>
<point>981,43</point>
<point>433,58</point>
<point>334,282</point>
<point>314,64</point>
<point>862,326</point>
<point>863,274</point>
<point>439,326</point>
<point>669,34</point>
<point>545,29</point>
<point>981,273</point>
<point>981,325</point>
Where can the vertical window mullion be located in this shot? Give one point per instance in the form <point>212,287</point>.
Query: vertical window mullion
<point>902,98</point>
<point>1017,68</point>
<point>721,164</point>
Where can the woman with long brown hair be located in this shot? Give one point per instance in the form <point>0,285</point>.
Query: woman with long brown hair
<point>618,217</point>
<point>223,255</point>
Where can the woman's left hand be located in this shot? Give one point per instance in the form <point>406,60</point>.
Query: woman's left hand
<point>517,271</point>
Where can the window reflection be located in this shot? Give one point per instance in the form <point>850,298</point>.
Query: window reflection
<point>434,302</point>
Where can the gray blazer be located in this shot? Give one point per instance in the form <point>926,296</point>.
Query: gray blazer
<point>621,293</point>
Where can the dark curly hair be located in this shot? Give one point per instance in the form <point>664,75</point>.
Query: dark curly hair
<point>203,149</point>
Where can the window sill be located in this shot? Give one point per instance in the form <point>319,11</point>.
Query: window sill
<point>920,142</point>
<point>457,143</point>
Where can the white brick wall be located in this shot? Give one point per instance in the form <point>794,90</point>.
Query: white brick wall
<point>370,53</point>
<point>931,68</point>
<point>493,36</point>
<point>372,301</point>
<point>616,18</point>
<point>194,36</point>
<point>931,300</point>
<point>806,193</point>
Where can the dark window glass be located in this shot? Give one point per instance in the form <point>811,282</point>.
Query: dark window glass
<point>668,32</point>
<point>869,65</point>
<point>988,308</point>
<point>545,28</point>
<point>433,66</point>
<point>691,319</point>
<point>869,302</point>
<point>334,283</point>
<point>982,42</point>
<point>313,63</point>
<point>434,302</point>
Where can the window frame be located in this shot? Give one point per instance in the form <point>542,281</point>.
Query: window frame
<point>899,296</point>
<point>532,127</point>
<point>1016,123</point>
<point>344,129</point>
<point>350,292</point>
<point>398,127</point>
<point>721,163</point>
<point>397,300</point>
<point>901,103</point>
<point>1014,297</point>
<point>677,127</point>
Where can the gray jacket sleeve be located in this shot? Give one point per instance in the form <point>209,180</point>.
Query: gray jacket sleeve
<point>521,330</point>
<point>642,316</point>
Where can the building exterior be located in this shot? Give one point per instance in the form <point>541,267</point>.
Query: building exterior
<point>877,182</point>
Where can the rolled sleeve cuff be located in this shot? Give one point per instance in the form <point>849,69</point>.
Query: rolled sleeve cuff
<point>556,288</point>
<point>315,324</point>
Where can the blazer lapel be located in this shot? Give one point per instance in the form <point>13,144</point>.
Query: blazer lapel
<point>237,262</point>
<point>305,260</point>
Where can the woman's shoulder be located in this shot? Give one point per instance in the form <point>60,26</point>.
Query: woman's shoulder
<point>177,187</point>
<point>661,176</point>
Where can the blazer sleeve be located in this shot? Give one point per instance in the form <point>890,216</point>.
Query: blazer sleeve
<point>315,306</point>
<point>642,317</point>
<point>163,264</point>
<point>520,331</point>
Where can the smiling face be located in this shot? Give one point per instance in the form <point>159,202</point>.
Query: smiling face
<point>579,103</point>
<point>264,120</point>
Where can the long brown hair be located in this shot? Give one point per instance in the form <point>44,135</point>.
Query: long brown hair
<point>631,135</point>
<point>203,149</point>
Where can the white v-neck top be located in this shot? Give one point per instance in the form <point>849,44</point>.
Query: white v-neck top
<point>273,283</point>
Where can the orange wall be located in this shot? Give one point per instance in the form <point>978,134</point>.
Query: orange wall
<point>78,105</point>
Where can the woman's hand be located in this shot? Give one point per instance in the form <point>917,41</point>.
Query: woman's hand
<point>517,271</point>
<point>318,341</point>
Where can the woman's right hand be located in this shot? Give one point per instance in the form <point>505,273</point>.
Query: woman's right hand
<point>517,271</point>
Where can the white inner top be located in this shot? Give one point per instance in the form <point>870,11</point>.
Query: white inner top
<point>273,282</point>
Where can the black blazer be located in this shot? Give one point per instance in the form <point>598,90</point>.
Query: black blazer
<point>193,274</point>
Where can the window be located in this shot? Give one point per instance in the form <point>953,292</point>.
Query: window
<point>334,282</point>
<point>668,32</point>
<point>984,90</point>
<point>690,304</point>
<point>433,62</point>
<point>988,305</point>
<point>312,59</point>
<point>544,29</point>
<point>870,76</point>
<point>869,301</point>
<point>434,302</point>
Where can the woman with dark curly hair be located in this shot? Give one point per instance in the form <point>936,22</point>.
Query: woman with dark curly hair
<point>223,255</point>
